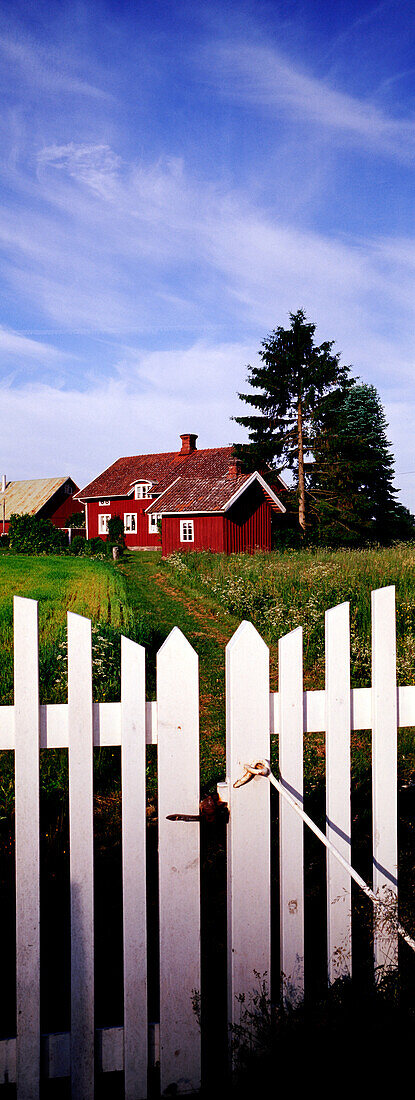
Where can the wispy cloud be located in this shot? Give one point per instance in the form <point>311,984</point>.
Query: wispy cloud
<point>39,66</point>
<point>17,346</point>
<point>265,78</point>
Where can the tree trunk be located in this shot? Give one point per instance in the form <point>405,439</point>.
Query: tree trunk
<point>301,484</point>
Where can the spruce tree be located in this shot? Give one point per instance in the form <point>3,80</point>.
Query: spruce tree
<point>290,385</point>
<point>351,482</point>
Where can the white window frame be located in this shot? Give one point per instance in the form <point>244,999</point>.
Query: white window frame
<point>153,521</point>
<point>142,490</point>
<point>130,523</point>
<point>104,503</point>
<point>187,530</point>
<point>103,518</point>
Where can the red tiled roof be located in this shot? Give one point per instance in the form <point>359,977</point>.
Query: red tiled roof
<point>161,469</point>
<point>205,494</point>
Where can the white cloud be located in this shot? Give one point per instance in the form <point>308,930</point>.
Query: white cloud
<point>264,77</point>
<point>151,401</point>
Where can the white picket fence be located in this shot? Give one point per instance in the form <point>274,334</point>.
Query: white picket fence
<point>253,716</point>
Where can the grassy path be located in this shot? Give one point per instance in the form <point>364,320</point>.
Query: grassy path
<point>151,590</point>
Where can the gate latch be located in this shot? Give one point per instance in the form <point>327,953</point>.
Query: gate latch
<point>211,810</point>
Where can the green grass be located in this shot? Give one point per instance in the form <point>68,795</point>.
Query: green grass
<point>60,584</point>
<point>87,587</point>
<point>280,591</point>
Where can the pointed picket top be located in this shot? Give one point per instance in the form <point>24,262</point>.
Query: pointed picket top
<point>21,601</point>
<point>292,634</point>
<point>339,609</point>
<point>245,631</point>
<point>176,642</point>
<point>75,619</point>
<point>131,648</point>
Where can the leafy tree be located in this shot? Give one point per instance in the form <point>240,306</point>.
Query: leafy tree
<point>294,380</point>
<point>351,482</point>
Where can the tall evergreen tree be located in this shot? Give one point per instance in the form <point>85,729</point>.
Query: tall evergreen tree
<point>351,481</point>
<point>295,378</point>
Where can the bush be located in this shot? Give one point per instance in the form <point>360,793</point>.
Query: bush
<point>4,541</point>
<point>78,545</point>
<point>94,546</point>
<point>35,535</point>
<point>77,519</point>
<point>116,532</point>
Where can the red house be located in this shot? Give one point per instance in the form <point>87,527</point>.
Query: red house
<point>47,497</point>
<point>199,498</point>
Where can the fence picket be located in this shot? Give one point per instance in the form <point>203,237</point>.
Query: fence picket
<point>133,785</point>
<point>80,723</point>
<point>248,839</point>
<point>384,773</point>
<point>290,664</point>
<point>338,824</point>
<point>179,862</point>
<point>26,713</point>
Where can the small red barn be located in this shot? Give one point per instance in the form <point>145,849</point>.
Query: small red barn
<point>200,498</point>
<point>47,497</point>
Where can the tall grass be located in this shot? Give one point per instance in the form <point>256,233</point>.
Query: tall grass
<point>280,591</point>
<point>60,584</point>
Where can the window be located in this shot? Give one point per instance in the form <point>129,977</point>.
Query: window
<point>130,522</point>
<point>142,490</point>
<point>103,523</point>
<point>186,530</point>
<point>153,521</point>
<point>104,503</point>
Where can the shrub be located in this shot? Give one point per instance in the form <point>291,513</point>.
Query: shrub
<point>77,519</point>
<point>4,541</point>
<point>35,535</point>
<point>94,546</point>
<point>116,532</point>
<point>78,544</point>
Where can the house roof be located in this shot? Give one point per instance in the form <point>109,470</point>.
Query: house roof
<point>207,494</point>
<point>29,496</point>
<point>161,470</point>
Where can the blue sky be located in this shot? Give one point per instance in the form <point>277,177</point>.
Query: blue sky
<point>175,179</point>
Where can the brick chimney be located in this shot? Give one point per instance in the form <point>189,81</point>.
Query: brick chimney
<point>188,444</point>
<point>234,469</point>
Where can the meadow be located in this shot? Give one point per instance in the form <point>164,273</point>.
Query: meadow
<point>281,591</point>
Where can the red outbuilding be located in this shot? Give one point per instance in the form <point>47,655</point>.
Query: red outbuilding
<point>47,497</point>
<point>185,500</point>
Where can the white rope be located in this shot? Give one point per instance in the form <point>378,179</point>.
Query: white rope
<point>263,768</point>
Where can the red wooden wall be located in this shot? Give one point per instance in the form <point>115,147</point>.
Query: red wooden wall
<point>141,537</point>
<point>208,532</point>
<point>247,525</point>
